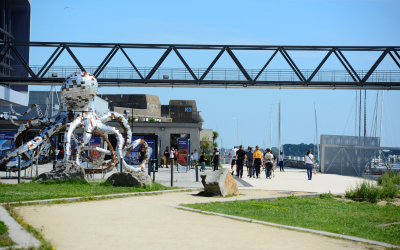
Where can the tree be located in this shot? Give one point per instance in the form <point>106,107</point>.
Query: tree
<point>205,147</point>
<point>214,138</point>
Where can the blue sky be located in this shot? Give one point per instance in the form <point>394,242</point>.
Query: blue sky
<point>284,22</point>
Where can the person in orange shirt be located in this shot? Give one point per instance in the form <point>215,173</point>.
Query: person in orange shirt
<point>257,160</point>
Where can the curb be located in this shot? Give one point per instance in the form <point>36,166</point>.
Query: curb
<point>97,196</point>
<point>352,238</point>
<point>17,233</point>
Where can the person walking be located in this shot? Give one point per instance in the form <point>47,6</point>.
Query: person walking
<point>195,157</point>
<point>250,166</point>
<point>240,156</point>
<point>309,160</point>
<point>232,155</point>
<point>269,163</point>
<point>257,160</point>
<point>171,157</point>
<point>216,158</point>
<point>166,155</point>
<point>191,161</point>
<point>142,154</point>
<point>281,162</point>
<point>203,162</point>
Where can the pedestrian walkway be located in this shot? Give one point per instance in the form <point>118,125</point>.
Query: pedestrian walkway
<point>290,180</point>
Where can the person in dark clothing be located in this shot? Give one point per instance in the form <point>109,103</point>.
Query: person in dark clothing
<point>269,163</point>
<point>203,162</point>
<point>216,158</point>
<point>240,156</point>
<point>142,154</point>
<point>166,155</point>
<point>250,166</point>
<point>280,162</point>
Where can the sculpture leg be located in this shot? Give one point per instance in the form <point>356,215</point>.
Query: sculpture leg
<point>87,134</point>
<point>67,137</point>
<point>112,116</point>
<point>31,145</point>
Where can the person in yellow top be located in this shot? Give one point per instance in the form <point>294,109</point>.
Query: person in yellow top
<point>257,160</point>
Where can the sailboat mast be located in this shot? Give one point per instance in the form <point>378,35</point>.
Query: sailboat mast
<point>359,117</point>
<point>365,113</point>
<point>316,129</point>
<point>270,133</point>
<point>279,128</point>
<point>356,115</point>
<point>380,134</point>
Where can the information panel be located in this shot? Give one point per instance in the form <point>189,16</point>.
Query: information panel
<point>183,155</point>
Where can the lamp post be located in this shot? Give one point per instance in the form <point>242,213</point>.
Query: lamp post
<point>279,127</point>
<point>237,123</point>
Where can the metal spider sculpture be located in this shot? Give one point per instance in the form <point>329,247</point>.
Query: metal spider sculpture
<point>77,97</point>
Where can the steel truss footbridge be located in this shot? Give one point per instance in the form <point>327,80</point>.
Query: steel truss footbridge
<point>131,75</point>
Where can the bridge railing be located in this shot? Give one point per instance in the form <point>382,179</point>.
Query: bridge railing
<point>215,74</point>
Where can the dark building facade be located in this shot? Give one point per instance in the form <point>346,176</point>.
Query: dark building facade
<point>15,25</point>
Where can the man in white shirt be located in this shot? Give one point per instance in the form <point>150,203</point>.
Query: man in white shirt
<point>232,155</point>
<point>281,162</point>
<point>269,163</point>
<point>195,157</point>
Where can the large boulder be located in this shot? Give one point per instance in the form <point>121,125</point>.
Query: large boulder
<point>219,183</point>
<point>63,171</point>
<point>131,179</point>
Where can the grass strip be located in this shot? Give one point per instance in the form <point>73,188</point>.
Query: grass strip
<point>5,240</point>
<point>360,219</point>
<point>29,191</point>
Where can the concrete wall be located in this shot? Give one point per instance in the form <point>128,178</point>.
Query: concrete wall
<point>206,133</point>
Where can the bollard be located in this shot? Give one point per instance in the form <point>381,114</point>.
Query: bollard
<point>120,163</point>
<point>19,169</point>
<point>172,172</point>
<point>197,173</point>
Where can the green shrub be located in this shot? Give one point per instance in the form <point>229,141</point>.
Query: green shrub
<point>326,196</point>
<point>389,190</point>
<point>389,175</point>
<point>208,159</point>
<point>366,191</point>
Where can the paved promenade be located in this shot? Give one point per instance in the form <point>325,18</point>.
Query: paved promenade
<point>290,180</point>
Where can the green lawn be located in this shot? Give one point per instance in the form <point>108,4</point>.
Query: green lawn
<point>50,190</point>
<point>5,241</point>
<point>320,213</point>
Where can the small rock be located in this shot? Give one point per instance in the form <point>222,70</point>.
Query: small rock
<point>130,180</point>
<point>219,183</point>
<point>63,171</point>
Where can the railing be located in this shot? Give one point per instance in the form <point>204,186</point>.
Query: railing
<point>216,74</point>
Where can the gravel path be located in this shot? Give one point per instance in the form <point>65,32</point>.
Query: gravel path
<point>147,222</point>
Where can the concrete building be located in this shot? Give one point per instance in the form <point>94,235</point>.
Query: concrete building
<point>15,22</point>
<point>178,120</point>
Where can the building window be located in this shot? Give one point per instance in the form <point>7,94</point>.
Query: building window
<point>174,139</point>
